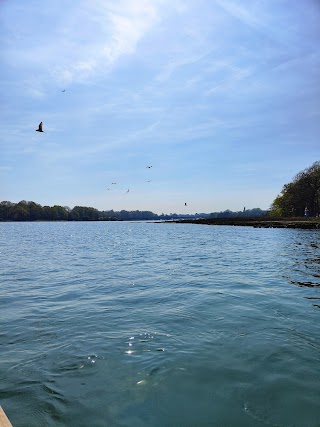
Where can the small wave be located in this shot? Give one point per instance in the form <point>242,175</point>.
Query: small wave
<point>258,417</point>
<point>305,284</point>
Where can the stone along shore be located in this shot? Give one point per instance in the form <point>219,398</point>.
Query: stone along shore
<point>312,223</point>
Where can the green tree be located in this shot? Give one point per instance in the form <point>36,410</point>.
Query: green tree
<point>59,213</point>
<point>46,212</point>
<point>83,213</point>
<point>5,207</point>
<point>35,211</point>
<point>303,191</point>
<point>19,212</point>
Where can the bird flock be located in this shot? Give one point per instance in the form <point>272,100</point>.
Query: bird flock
<point>40,129</point>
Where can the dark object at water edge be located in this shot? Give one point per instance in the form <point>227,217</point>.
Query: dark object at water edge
<point>302,224</point>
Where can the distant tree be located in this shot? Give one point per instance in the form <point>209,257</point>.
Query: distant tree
<point>252,212</point>
<point>109,215</point>
<point>59,213</point>
<point>303,191</point>
<point>5,207</point>
<point>255,212</point>
<point>83,213</point>
<point>35,211</point>
<point>46,212</point>
<point>225,214</point>
<point>19,211</point>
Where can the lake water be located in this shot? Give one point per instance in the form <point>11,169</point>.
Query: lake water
<point>142,324</point>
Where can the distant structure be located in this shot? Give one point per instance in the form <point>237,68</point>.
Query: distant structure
<point>244,209</point>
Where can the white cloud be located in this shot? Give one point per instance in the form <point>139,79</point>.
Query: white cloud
<point>242,13</point>
<point>113,31</point>
<point>77,40</point>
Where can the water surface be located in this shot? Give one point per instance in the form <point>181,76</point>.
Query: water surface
<point>142,324</point>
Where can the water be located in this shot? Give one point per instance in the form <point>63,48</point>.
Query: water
<point>141,324</point>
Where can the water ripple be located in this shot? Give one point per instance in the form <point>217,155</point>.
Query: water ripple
<point>126,324</point>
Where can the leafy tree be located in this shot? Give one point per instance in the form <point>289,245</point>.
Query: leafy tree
<point>59,213</point>
<point>19,211</point>
<point>5,207</point>
<point>46,212</point>
<point>303,191</point>
<point>83,213</point>
<point>35,211</point>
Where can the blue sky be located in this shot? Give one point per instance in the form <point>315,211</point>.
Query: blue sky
<point>221,97</point>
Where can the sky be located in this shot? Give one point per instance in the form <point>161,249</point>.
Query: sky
<point>220,97</point>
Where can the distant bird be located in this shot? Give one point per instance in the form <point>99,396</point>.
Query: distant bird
<point>128,190</point>
<point>63,90</point>
<point>185,204</point>
<point>39,128</point>
<point>112,183</point>
<point>148,167</point>
<point>108,189</point>
<point>149,180</point>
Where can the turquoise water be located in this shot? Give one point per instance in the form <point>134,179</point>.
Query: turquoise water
<point>142,324</point>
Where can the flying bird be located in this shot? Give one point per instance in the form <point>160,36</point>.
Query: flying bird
<point>148,167</point>
<point>185,204</point>
<point>39,128</point>
<point>149,180</point>
<point>112,183</point>
<point>128,190</point>
<point>63,90</point>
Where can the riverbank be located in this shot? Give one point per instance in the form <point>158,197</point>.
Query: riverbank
<point>313,223</point>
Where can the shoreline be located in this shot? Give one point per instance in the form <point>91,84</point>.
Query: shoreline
<point>310,224</point>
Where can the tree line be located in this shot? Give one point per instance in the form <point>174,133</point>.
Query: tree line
<point>246,213</point>
<point>31,211</point>
<point>303,192</point>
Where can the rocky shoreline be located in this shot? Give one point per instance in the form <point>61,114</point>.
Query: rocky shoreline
<point>313,223</point>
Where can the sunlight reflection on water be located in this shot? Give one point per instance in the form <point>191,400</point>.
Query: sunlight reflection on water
<point>159,324</point>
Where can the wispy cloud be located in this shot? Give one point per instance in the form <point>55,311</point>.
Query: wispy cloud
<point>185,84</point>
<point>243,13</point>
<point>118,28</point>
<point>87,39</point>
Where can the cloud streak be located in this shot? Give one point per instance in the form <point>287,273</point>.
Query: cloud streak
<point>119,28</point>
<point>88,39</point>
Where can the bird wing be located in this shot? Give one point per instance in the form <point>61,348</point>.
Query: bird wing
<point>40,126</point>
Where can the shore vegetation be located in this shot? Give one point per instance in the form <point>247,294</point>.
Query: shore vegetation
<point>301,193</point>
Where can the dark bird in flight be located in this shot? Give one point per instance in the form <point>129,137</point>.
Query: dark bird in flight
<point>185,204</point>
<point>39,128</point>
<point>63,90</point>
<point>149,180</point>
<point>148,167</point>
<point>112,183</point>
<point>128,190</point>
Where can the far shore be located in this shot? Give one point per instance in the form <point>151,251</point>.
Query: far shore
<point>302,223</point>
